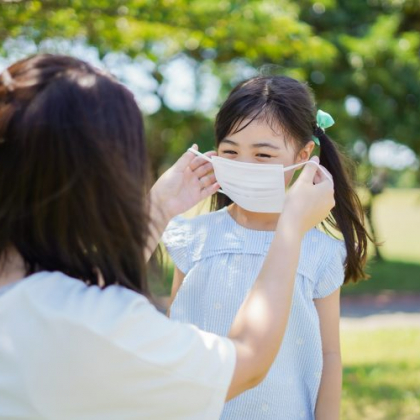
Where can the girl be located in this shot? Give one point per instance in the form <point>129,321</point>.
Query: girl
<point>265,121</point>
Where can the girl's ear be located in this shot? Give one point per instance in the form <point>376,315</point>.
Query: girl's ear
<point>305,153</point>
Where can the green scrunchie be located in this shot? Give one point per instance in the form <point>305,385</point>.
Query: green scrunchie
<point>323,120</point>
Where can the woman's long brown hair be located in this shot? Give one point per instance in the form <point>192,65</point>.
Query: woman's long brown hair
<point>287,104</point>
<point>73,172</point>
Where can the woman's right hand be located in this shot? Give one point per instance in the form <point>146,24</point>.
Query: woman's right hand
<point>185,184</point>
<point>310,199</point>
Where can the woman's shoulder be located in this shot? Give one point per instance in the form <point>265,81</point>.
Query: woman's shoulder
<point>56,292</point>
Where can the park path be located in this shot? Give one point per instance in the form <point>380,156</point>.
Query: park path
<point>383,310</point>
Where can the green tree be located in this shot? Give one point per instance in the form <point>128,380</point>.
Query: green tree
<point>378,67</point>
<point>223,36</point>
<point>377,62</point>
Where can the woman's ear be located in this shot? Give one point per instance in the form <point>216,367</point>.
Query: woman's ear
<point>305,153</point>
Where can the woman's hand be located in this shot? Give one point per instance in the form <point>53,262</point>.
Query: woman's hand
<point>185,184</point>
<point>310,199</point>
<point>182,186</point>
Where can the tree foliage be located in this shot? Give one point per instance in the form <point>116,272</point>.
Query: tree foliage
<point>378,62</point>
<point>359,52</point>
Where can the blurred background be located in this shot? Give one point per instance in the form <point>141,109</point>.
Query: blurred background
<point>362,60</point>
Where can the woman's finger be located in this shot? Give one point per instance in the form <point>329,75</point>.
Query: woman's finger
<point>203,170</point>
<point>208,191</point>
<point>309,171</point>
<point>207,180</point>
<point>199,161</point>
<point>184,161</point>
<point>322,174</point>
<point>315,173</point>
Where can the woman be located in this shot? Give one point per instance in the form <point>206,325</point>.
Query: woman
<point>78,337</point>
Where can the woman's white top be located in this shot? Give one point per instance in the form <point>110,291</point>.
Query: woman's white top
<point>221,260</point>
<point>73,352</point>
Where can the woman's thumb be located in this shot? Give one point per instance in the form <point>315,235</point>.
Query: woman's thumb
<point>182,163</point>
<point>309,171</point>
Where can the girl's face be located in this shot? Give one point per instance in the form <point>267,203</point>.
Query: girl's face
<point>258,143</point>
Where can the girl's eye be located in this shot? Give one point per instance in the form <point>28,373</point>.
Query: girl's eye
<point>263,155</point>
<point>229,152</point>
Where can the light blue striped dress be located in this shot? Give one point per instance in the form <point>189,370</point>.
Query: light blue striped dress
<point>221,260</point>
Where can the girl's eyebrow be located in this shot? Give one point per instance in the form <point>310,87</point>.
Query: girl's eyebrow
<point>229,142</point>
<point>270,145</point>
<point>255,145</point>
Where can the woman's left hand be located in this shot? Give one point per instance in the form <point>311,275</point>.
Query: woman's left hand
<point>185,184</point>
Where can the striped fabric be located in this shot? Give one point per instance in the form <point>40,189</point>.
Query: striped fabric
<point>221,260</point>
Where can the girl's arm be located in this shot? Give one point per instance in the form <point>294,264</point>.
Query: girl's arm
<point>176,284</point>
<point>328,403</point>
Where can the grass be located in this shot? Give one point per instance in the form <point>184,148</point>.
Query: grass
<point>396,276</point>
<point>381,377</point>
<point>396,215</point>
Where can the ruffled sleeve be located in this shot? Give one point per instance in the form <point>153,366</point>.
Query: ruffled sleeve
<point>331,274</point>
<point>177,240</point>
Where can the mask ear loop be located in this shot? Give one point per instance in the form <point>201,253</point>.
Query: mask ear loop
<point>196,152</point>
<point>288,168</point>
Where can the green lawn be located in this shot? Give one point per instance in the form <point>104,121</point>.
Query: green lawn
<point>396,216</point>
<point>397,276</point>
<point>381,377</point>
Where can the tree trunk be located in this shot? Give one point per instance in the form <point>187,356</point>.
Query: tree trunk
<point>368,209</point>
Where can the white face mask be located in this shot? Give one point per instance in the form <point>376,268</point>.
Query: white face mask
<point>255,187</point>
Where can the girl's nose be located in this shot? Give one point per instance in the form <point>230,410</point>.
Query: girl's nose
<point>245,159</point>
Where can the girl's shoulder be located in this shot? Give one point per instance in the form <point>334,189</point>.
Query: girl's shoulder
<point>322,259</point>
<point>199,225</point>
<point>322,247</point>
<point>191,240</point>
<point>205,227</point>
<point>316,239</point>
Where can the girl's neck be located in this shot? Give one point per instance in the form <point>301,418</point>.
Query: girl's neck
<point>253,221</point>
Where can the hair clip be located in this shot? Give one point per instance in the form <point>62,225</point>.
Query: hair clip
<point>323,121</point>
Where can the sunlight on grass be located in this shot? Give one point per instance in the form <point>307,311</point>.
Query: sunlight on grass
<point>397,222</point>
<point>396,215</point>
<point>381,378</point>
<point>388,275</point>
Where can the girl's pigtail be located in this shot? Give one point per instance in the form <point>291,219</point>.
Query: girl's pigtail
<point>347,216</point>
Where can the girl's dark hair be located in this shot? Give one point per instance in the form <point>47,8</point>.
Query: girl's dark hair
<point>73,172</point>
<point>288,105</point>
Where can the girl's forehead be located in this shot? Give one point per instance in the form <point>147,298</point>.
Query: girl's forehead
<point>257,131</point>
